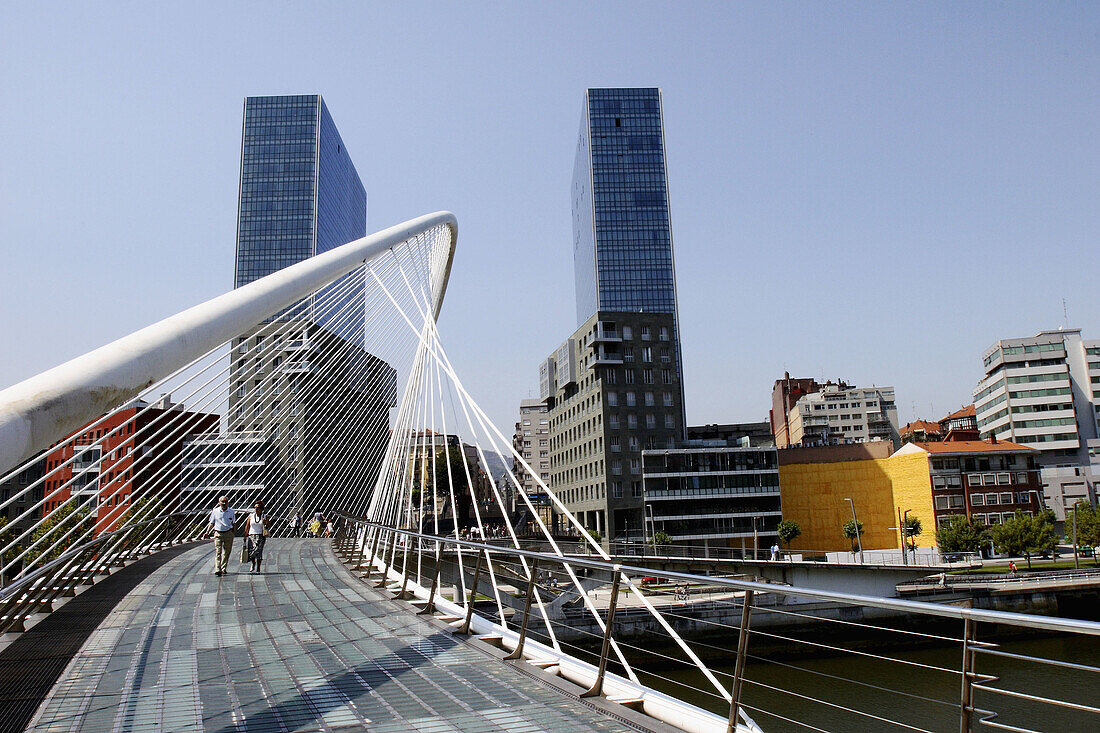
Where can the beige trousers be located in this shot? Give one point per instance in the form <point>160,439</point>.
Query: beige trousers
<point>223,546</point>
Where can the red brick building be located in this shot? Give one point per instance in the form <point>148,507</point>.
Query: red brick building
<point>987,481</point>
<point>121,458</point>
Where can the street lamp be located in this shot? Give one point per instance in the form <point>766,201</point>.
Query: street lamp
<point>755,539</point>
<point>855,527</point>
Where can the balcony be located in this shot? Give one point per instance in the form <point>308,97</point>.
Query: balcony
<point>299,367</point>
<point>605,336</point>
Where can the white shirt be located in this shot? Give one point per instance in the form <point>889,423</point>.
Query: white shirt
<point>255,524</point>
<point>222,519</point>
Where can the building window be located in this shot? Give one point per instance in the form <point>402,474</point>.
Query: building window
<point>649,401</point>
<point>647,354</point>
<point>636,489</point>
<point>630,376</point>
<point>977,500</point>
<point>666,376</point>
<point>611,376</point>
<point>650,421</point>
<point>613,422</point>
<point>631,421</point>
<point>617,489</point>
<point>670,422</point>
<point>628,333</point>
<point>647,376</point>
<point>632,442</point>
<point>612,398</point>
<point>664,333</point>
<point>667,398</point>
<point>616,468</point>
<point>630,399</point>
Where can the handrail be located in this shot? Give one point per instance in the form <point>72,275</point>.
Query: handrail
<point>1048,623</point>
<point>45,408</point>
<point>9,590</point>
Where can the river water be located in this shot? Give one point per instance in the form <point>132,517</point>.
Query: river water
<point>851,693</point>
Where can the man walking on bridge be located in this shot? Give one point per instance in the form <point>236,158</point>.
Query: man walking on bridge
<point>221,525</point>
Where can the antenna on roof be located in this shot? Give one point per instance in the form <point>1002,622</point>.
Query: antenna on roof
<point>1065,314</point>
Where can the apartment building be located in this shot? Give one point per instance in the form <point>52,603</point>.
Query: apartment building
<point>838,414</point>
<point>612,390</point>
<point>532,441</point>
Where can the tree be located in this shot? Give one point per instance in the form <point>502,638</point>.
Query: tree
<point>143,510</point>
<point>853,529</point>
<point>6,536</point>
<point>1088,525</point>
<point>1024,535</point>
<point>661,539</point>
<point>56,526</point>
<point>788,530</point>
<point>913,528</point>
<point>959,534</point>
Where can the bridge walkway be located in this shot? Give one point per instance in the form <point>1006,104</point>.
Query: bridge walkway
<point>306,646</point>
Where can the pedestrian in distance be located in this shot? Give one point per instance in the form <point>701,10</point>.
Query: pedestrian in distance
<point>1012,566</point>
<point>775,551</point>
<point>296,525</point>
<point>222,518</point>
<point>317,525</point>
<point>257,536</point>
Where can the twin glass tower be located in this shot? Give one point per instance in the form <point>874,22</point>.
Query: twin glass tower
<point>622,233</point>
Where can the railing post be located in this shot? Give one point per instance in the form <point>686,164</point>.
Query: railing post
<point>597,686</point>
<point>430,607</point>
<point>385,569</point>
<point>465,628</point>
<point>517,653</point>
<point>377,532</point>
<point>739,665</point>
<point>405,569</point>
<point>966,703</point>
<point>358,555</point>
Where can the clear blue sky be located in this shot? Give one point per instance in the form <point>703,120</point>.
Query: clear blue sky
<point>875,191</point>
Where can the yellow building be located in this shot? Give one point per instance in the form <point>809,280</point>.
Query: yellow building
<point>814,484</point>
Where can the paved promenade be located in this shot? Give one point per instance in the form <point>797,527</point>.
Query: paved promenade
<point>304,647</point>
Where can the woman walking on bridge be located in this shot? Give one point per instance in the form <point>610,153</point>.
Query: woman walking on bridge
<point>257,535</point>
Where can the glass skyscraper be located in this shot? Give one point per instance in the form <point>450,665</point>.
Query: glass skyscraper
<point>300,194</point>
<point>622,239</point>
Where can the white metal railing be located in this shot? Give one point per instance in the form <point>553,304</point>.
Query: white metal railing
<point>418,567</point>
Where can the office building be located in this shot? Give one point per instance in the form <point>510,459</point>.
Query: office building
<point>741,434</point>
<point>1042,392</point>
<point>713,493</point>
<point>299,196</point>
<point>612,390</point>
<point>622,232</point>
<point>305,377</point>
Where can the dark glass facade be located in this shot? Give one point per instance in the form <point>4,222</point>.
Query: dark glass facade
<point>300,195</point>
<point>622,235</point>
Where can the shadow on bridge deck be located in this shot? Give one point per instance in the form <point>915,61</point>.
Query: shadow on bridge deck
<point>304,647</point>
